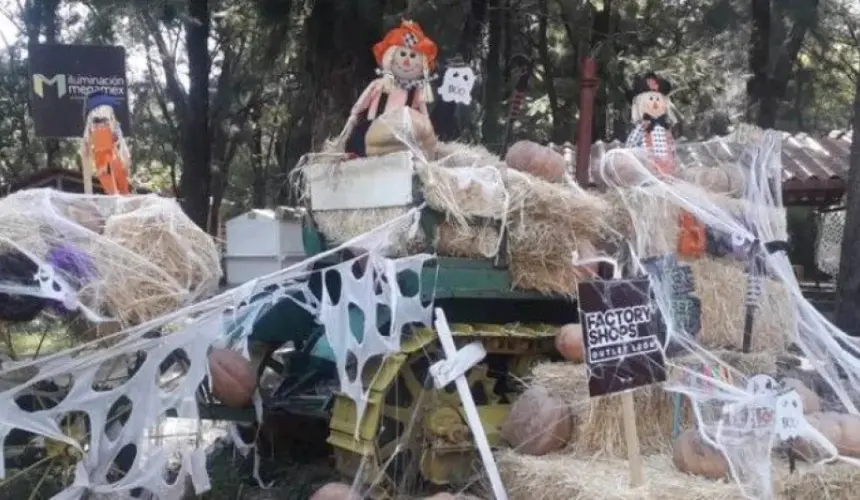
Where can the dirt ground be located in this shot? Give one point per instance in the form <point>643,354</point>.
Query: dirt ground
<point>290,477</point>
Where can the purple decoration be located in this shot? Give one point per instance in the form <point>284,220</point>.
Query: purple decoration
<point>76,266</point>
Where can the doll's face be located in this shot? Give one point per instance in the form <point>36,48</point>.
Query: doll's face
<point>654,103</point>
<point>406,64</point>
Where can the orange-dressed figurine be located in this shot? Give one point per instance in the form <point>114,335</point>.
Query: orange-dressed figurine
<point>406,57</point>
<point>104,152</point>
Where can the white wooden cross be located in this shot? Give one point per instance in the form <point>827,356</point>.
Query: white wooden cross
<point>454,368</point>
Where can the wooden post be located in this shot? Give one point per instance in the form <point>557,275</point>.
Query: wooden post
<point>631,436</point>
<point>587,90</point>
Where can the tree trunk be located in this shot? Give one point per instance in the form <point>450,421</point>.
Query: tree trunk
<point>773,69</point>
<point>257,163</point>
<point>557,133</point>
<point>339,59</point>
<point>194,184</point>
<point>491,129</point>
<point>848,282</point>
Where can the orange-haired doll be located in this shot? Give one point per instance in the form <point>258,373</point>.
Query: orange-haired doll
<point>103,149</point>
<point>405,56</point>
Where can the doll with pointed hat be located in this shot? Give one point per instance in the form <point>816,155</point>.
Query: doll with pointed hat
<point>103,150</point>
<point>652,117</point>
<point>406,57</point>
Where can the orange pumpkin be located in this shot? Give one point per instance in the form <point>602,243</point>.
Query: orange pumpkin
<point>538,423</point>
<point>692,241</point>
<point>537,160</point>
<point>233,378</point>
<point>335,491</point>
<point>691,454</point>
<point>569,343</point>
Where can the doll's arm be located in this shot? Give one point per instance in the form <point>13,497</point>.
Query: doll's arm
<point>634,138</point>
<point>370,93</point>
<point>419,104</point>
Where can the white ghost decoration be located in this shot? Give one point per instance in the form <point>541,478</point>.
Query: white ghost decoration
<point>789,415</point>
<point>457,85</point>
<point>761,384</point>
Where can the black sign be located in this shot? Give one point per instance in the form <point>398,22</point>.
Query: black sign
<point>61,78</point>
<point>619,332</point>
<point>674,281</point>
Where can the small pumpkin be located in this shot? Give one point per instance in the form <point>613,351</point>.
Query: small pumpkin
<point>841,429</point>
<point>233,378</point>
<point>692,455</point>
<point>621,171</point>
<point>569,343</point>
<point>537,160</point>
<point>725,179</point>
<point>811,401</point>
<point>335,491</point>
<point>538,423</point>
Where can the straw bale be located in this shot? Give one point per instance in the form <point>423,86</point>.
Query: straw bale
<point>165,261</point>
<point>601,430</point>
<point>471,242</point>
<point>721,285</point>
<point>457,154</point>
<point>566,476</point>
<point>836,481</point>
<point>546,223</point>
<point>651,220</point>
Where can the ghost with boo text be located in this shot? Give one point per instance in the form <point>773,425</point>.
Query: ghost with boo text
<point>405,56</point>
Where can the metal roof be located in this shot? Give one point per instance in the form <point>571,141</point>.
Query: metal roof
<point>808,163</point>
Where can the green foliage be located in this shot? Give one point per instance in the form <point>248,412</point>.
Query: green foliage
<point>261,51</point>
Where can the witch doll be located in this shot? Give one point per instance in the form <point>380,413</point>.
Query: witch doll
<point>653,118</point>
<point>406,57</point>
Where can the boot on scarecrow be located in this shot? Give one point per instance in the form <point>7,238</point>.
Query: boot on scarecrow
<point>653,118</point>
<point>104,152</point>
<point>406,57</point>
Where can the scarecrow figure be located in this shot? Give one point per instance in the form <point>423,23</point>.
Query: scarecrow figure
<point>653,119</point>
<point>103,151</point>
<point>405,56</point>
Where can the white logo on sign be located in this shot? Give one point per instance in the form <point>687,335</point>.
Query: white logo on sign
<point>39,82</point>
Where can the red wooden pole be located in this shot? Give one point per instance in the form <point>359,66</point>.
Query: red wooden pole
<point>587,90</point>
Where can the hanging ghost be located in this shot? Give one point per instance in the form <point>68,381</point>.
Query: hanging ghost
<point>789,415</point>
<point>761,384</point>
<point>103,149</point>
<point>405,56</point>
<point>457,85</point>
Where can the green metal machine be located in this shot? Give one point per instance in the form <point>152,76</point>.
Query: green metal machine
<point>410,431</point>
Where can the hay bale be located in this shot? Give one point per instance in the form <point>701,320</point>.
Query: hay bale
<point>721,285</point>
<point>567,476</point>
<point>458,154</point>
<point>160,261</point>
<point>650,221</point>
<point>564,476</point>
<point>340,226</point>
<point>601,429</point>
<point>470,242</point>
<point>546,222</point>
<point>836,481</point>
<point>464,192</point>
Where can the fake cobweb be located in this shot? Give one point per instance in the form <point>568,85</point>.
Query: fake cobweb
<point>749,417</point>
<point>828,243</point>
<point>98,403</point>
